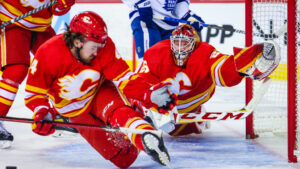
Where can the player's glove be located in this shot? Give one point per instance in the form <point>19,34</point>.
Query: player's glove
<point>159,97</point>
<point>196,21</point>
<point>145,10</point>
<point>42,121</point>
<point>62,7</point>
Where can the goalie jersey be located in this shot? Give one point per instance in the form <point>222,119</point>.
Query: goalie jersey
<point>56,76</point>
<point>194,83</point>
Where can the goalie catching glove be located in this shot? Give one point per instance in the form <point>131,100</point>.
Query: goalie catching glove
<point>257,61</point>
<point>42,121</point>
<point>159,97</point>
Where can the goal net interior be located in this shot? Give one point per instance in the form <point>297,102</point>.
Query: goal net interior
<point>278,112</point>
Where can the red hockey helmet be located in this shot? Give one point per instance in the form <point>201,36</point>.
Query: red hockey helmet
<point>91,25</point>
<point>183,41</point>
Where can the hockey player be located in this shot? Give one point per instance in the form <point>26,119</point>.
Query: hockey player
<point>147,30</point>
<point>191,70</point>
<point>17,41</point>
<point>72,74</point>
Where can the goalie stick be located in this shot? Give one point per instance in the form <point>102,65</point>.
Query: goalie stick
<point>228,115</point>
<point>4,24</point>
<point>81,125</point>
<point>167,122</point>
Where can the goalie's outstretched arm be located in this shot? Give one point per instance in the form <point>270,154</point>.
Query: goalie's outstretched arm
<point>257,61</point>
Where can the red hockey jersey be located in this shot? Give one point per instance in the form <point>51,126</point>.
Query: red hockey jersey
<point>40,21</point>
<point>194,84</point>
<point>70,85</point>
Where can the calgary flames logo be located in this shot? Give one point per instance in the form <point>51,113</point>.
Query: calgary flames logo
<point>72,86</point>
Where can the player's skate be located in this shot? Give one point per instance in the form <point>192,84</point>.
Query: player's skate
<point>61,131</point>
<point>6,138</point>
<point>154,147</point>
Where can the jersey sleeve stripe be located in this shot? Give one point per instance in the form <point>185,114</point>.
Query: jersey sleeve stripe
<point>122,74</point>
<point>216,69</point>
<point>29,99</point>
<point>36,89</point>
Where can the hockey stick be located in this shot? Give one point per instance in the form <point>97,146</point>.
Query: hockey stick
<point>217,27</point>
<point>167,122</point>
<point>184,21</point>
<point>4,24</point>
<point>80,125</point>
<point>228,115</point>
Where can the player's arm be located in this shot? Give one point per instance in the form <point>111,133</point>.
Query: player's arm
<point>36,99</point>
<point>182,7</point>
<point>256,62</point>
<point>146,87</point>
<point>113,66</point>
<point>135,85</point>
<point>183,11</point>
<point>116,69</point>
<point>36,86</point>
<point>140,8</point>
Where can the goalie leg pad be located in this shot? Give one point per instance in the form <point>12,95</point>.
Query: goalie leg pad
<point>187,128</point>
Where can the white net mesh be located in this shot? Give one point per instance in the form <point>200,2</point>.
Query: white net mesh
<point>269,17</point>
<point>269,20</point>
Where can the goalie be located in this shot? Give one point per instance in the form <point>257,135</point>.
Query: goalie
<point>183,71</point>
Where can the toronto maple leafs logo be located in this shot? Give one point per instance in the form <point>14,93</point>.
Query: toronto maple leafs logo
<point>170,5</point>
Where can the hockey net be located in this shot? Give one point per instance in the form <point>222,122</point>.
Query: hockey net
<point>278,112</point>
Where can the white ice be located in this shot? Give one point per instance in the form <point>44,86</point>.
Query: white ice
<point>223,146</point>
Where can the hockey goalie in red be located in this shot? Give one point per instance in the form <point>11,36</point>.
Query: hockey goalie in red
<point>187,70</point>
<point>72,74</point>
<point>17,41</point>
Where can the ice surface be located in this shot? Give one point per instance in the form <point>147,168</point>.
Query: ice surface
<point>223,146</point>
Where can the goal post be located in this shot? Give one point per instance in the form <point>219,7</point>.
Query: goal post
<point>276,20</point>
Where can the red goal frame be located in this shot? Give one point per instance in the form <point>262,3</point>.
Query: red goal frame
<point>292,74</point>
